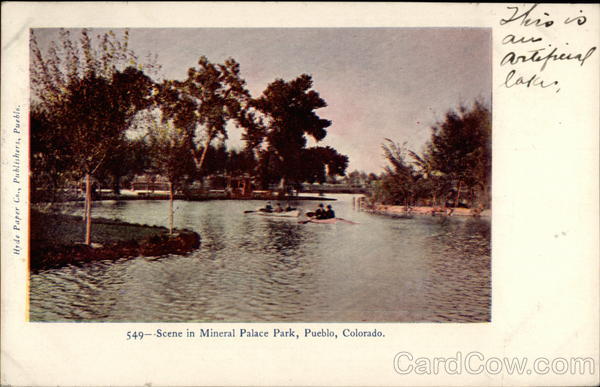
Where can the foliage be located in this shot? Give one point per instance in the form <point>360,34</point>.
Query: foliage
<point>360,179</point>
<point>84,98</point>
<point>201,106</point>
<point>461,148</point>
<point>96,112</point>
<point>402,177</point>
<point>456,158</point>
<point>288,117</point>
<point>129,158</point>
<point>240,162</point>
<point>89,95</point>
<point>170,156</point>
<point>320,163</point>
<point>50,165</point>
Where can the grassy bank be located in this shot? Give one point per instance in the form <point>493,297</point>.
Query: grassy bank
<point>59,229</point>
<point>56,240</point>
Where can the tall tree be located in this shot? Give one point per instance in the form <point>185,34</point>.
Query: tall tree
<point>89,97</point>
<point>202,105</point>
<point>196,112</point>
<point>461,148</point>
<point>319,163</point>
<point>289,116</point>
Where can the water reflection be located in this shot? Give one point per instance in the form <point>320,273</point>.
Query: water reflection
<point>254,268</point>
<point>282,236</point>
<point>459,283</point>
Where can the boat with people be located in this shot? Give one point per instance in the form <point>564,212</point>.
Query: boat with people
<point>319,216</point>
<point>324,216</point>
<point>278,211</point>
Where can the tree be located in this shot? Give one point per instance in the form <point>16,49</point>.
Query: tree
<point>89,97</point>
<point>433,183</point>
<point>50,165</point>
<point>194,113</point>
<point>460,148</point>
<point>402,177</point>
<point>217,159</point>
<point>201,106</point>
<point>334,162</point>
<point>288,111</point>
<point>128,158</point>
<point>353,178</point>
<point>457,156</point>
<point>171,158</point>
<point>240,162</point>
<point>98,111</point>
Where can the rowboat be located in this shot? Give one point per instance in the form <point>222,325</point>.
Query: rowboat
<point>328,221</point>
<point>323,221</point>
<point>283,214</point>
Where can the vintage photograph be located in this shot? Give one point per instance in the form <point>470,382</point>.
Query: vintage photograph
<point>260,175</point>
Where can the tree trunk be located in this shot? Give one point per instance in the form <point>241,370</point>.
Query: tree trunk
<point>283,186</point>
<point>486,196</point>
<point>458,193</point>
<point>54,183</point>
<point>170,208</point>
<point>200,162</point>
<point>85,205</point>
<point>116,184</point>
<point>445,196</point>
<point>88,209</point>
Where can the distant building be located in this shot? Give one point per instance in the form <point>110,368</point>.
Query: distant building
<point>233,185</point>
<point>150,183</point>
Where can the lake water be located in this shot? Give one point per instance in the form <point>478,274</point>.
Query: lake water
<point>257,269</point>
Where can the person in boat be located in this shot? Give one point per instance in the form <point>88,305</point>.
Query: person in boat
<point>320,212</point>
<point>329,213</point>
<point>289,208</point>
<point>268,207</point>
<point>279,208</point>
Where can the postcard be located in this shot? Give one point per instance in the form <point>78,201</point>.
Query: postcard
<point>300,194</point>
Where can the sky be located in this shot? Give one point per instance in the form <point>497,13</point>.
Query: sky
<point>378,82</point>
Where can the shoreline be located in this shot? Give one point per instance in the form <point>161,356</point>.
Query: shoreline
<point>52,245</point>
<point>399,211</point>
<point>165,196</point>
